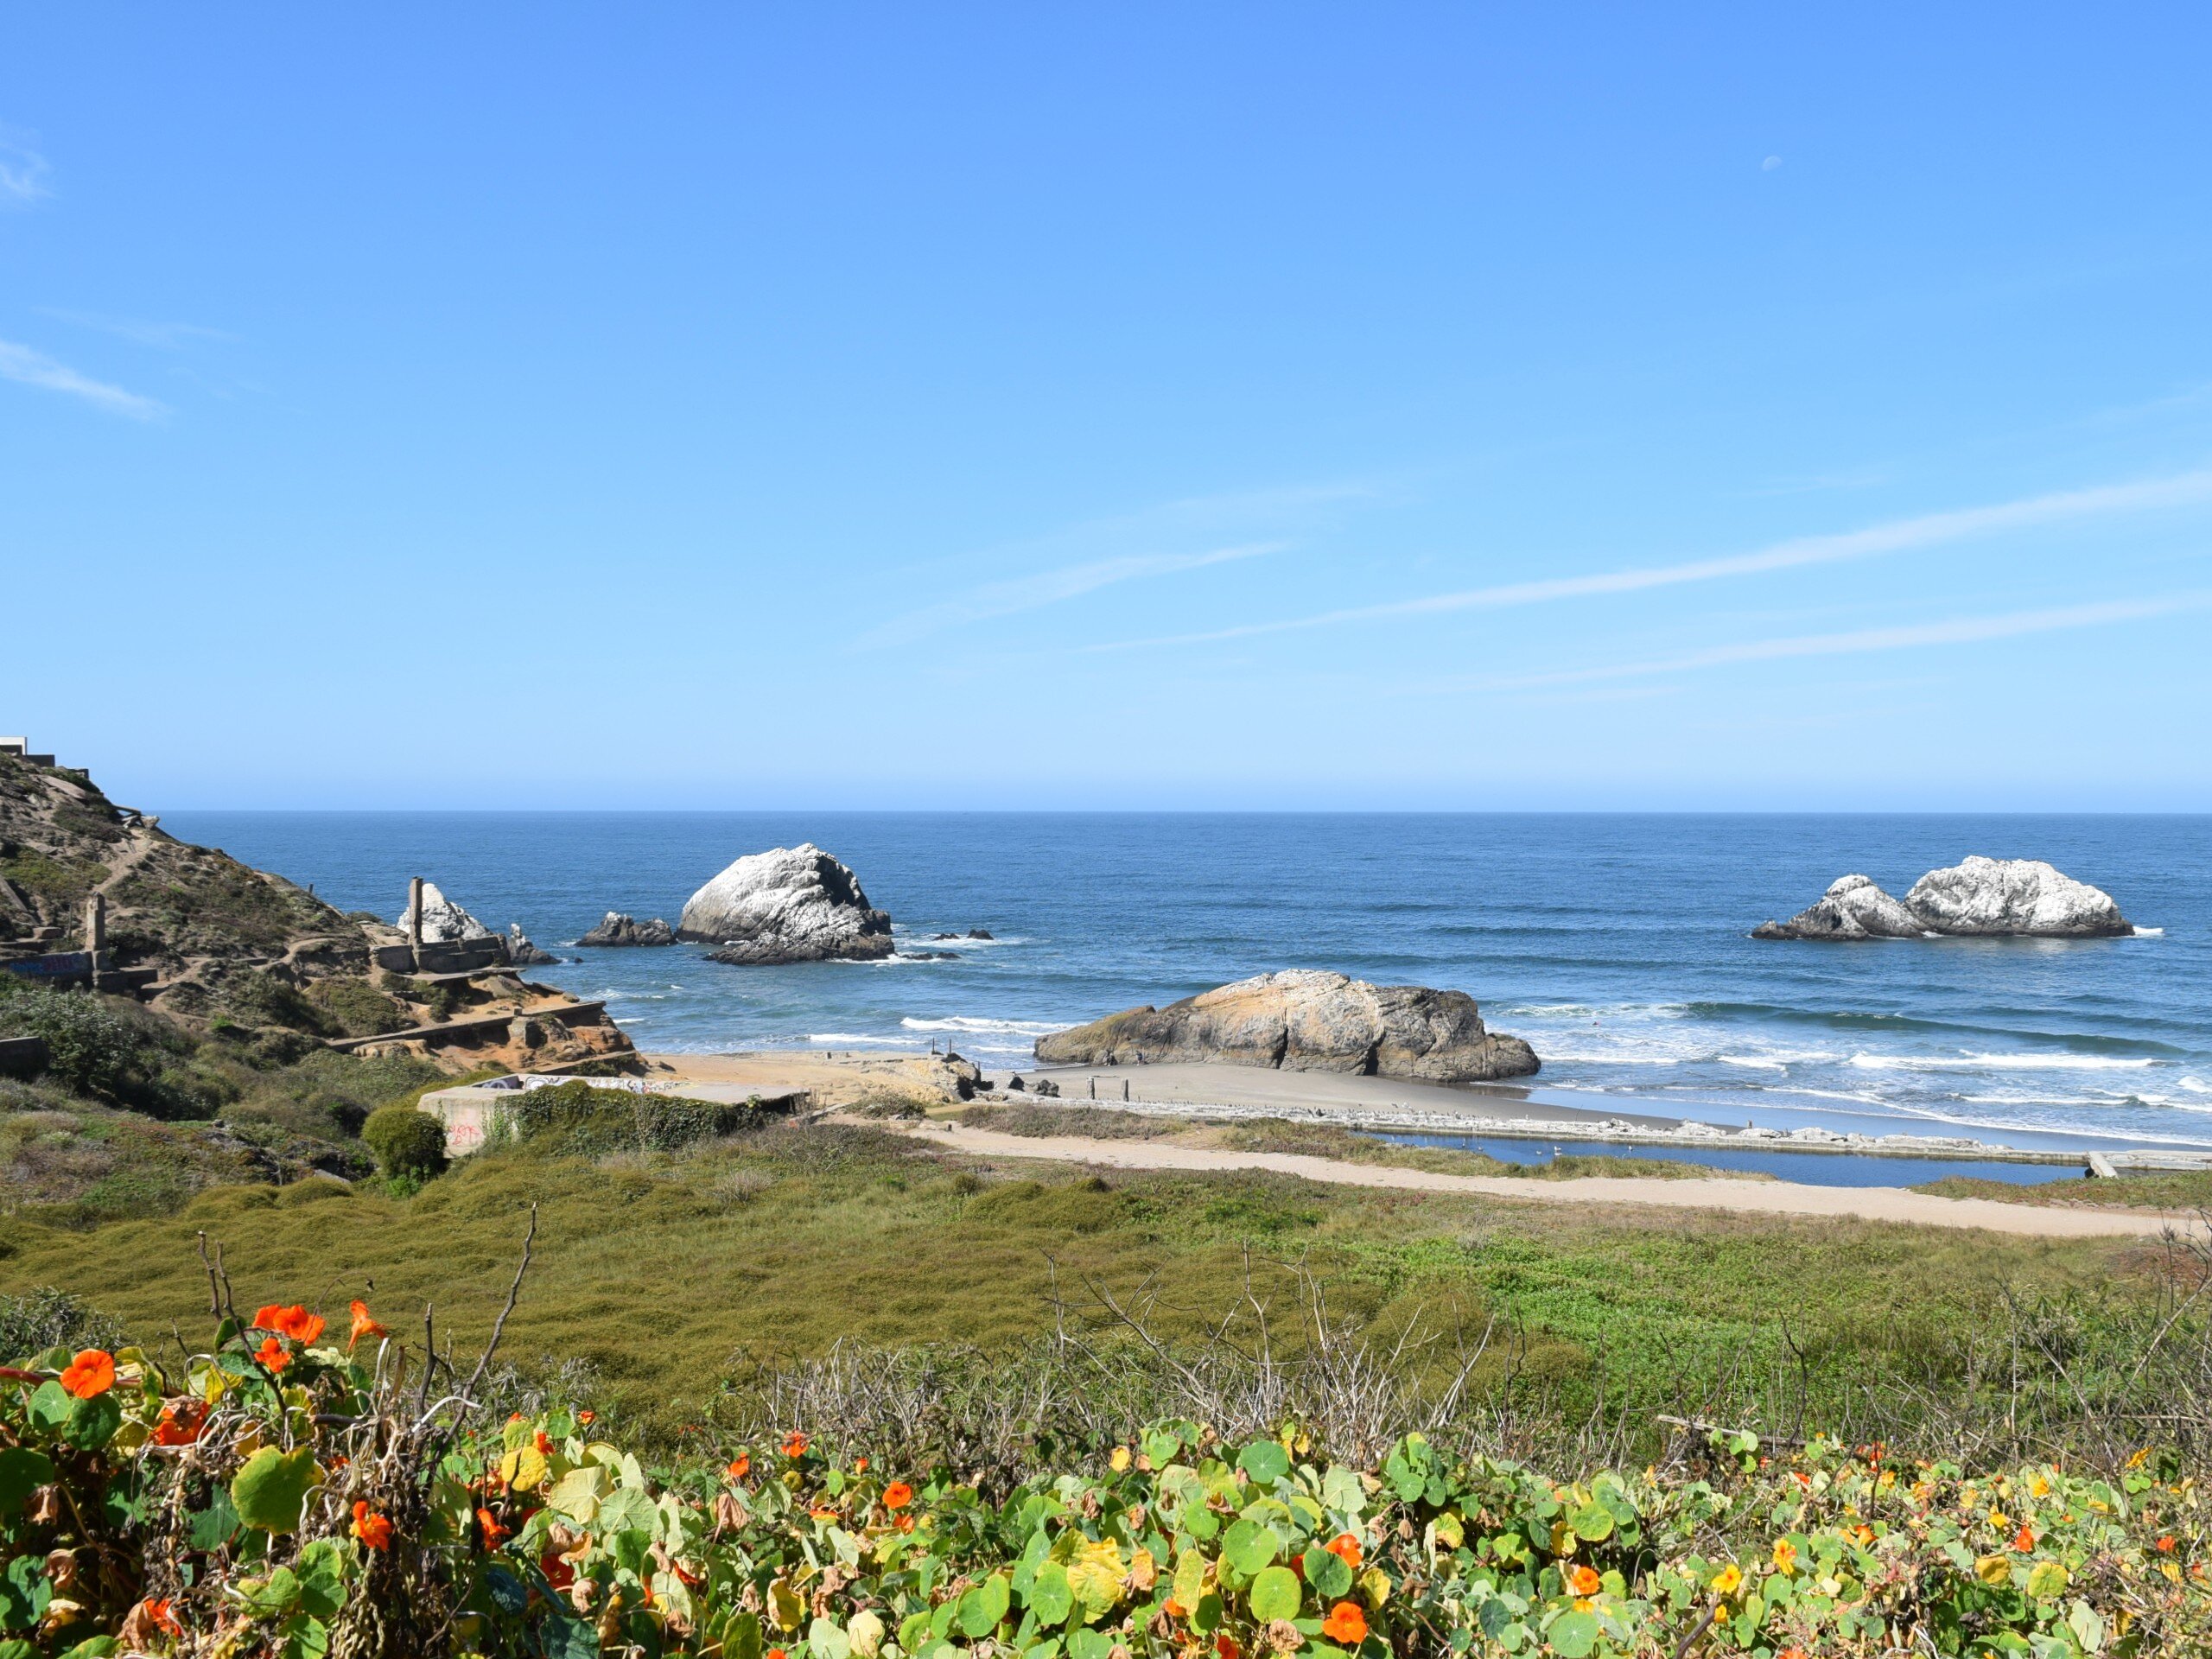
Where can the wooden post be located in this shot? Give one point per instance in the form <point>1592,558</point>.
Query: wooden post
<point>1125,1088</point>
<point>414,919</point>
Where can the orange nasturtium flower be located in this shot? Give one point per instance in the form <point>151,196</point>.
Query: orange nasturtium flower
<point>2024,1539</point>
<point>776,1653</point>
<point>1785,1554</point>
<point>92,1373</point>
<point>180,1422</point>
<point>1346,1546</point>
<point>295,1322</point>
<point>272,1354</point>
<point>2166,1544</point>
<point>1224,1646</point>
<point>1584,1581</point>
<point>586,1416</point>
<point>1731,1576</point>
<point>1345,1625</point>
<point>373,1530</point>
<point>795,1444</point>
<point>363,1324</point>
<point>488,1524</point>
<point>860,1466</point>
<point>897,1495</point>
<point>740,1466</point>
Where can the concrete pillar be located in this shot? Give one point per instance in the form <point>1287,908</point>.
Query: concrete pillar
<point>96,925</point>
<point>414,918</point>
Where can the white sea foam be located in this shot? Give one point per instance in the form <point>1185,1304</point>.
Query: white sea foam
<point>974,1024</point>
<point>2000,1062</point>
<point>2150,933</point>
<point>2196,1085</point>
<point>855,1039</point>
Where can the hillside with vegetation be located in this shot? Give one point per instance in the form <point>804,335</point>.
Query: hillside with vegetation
<point>222,1071</point>
<point>830,1391</point>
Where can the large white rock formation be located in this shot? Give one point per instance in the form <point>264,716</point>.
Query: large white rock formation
<point>2022,897</point>
<point>793,904</point>
<point>444,921</point>
<point>2013,895</point>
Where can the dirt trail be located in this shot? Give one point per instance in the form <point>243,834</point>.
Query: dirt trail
<point>1742,1198</point>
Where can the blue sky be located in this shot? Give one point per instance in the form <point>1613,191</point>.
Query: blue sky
<point>1120,407</point>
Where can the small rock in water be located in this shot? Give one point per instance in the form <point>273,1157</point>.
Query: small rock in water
<point>623,929</point>
<point>1851,908</point>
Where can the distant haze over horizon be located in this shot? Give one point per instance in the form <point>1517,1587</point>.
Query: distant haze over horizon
<point>1126,408</point>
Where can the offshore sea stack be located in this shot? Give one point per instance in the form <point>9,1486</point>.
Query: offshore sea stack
<point>2021,898</point>
<point>1305,1020</point>
<point>624,930</point>
<point>793,904</point>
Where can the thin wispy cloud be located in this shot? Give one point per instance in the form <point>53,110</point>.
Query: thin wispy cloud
<point>1031,593</point>
<point>1927,530</point>
<point>162,336</point>
<point>30,368</point>
<point>1954,631</point>
<point>22,170</point>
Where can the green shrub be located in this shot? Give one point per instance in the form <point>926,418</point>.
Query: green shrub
<point>95,1047</point>
<point>407,1143</point>
<point>47,1318</point>
<point>577,1120</point>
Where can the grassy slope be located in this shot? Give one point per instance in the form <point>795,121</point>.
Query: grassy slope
<point>784,1242</point>
<point>2183,1190</point>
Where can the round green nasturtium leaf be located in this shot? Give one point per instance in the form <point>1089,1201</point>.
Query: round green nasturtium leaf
<point>50,1405</point>
<point>981,1608</point>
<point>2046,1579</point>
<point>1248,1546</point>
<point>92,1422</point>
<point>1330,1575</point>
<point>1275,1594</point>
<point>1051,1597</point>
<point>272,1488</point>
<point>1206,1616</point>
<point>1573,1634</point>
<point>1593,1522</point>
<point>1265,1461</point>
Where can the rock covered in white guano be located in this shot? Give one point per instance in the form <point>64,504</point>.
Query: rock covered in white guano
<point>444,921</point>
<point>1305,1020</point>
<point>2022,896</point>
<point>1979,896</point>
<point>522,953</point>
<point>1851,908</point>
<point>619,929</point>
<point>792,904</point>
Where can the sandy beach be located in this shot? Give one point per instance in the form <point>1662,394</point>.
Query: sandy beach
<point>1777,1199</point>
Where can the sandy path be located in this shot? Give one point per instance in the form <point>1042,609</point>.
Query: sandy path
<point>1741,1197</point>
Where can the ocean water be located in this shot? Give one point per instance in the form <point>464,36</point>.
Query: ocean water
<point>1617,944</point>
